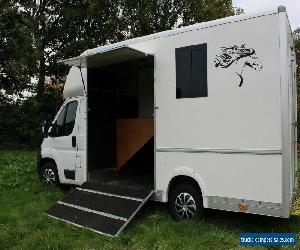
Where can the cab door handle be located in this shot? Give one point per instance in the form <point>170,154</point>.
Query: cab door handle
<point>73,141</point>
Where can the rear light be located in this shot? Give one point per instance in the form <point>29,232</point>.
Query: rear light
<point>243,207</point>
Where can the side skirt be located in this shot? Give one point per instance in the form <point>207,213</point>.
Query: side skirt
<point>253,207</point>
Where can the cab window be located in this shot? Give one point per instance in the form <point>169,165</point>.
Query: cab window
<point>70,118</point>
<point>64,124</point>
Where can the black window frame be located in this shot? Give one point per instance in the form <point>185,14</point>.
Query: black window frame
<point>191,71</point>
<point>53,132</point>
<point>69,132</point>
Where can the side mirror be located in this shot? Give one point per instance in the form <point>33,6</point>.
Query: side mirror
<point>45,128</point>
<point>52,130</point>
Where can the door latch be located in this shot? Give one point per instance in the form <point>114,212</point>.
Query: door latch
<point>73,141</point>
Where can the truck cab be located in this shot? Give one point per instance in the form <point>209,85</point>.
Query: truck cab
<point>64,145</point>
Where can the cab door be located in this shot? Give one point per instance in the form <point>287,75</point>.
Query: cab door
<point>63,134</point>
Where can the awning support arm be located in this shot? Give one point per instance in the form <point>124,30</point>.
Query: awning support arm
<point>82,77</point>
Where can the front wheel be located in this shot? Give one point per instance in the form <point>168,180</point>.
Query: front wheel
<point>185,202</point>
<point>48,174</point>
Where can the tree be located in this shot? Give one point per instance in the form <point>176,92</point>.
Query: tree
<point>146,17</point>
<point>296,35</point>
<point>66,28</point>
<point>17,58</point>
<point>195,11</point>
<point>41,32</point>
<point>36,34</point>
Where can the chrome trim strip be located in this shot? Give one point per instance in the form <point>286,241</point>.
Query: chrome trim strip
<point>221,151</point>
<point>92,211</point>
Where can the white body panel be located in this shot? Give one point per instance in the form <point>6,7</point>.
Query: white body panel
<point>74,85</point>
<point>225,175</point>
<point>236,143</point>
<point>61,151</point>
<point>230,118</point>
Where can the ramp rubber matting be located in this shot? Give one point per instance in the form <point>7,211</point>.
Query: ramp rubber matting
<point>116,190</point>
<point>101,208</point>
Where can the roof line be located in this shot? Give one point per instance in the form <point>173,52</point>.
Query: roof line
<point>166,33</point>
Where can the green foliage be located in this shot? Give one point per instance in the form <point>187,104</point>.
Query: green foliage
<point>21,120</point>
<point>296,35</point>
<point>63,29</point>
<point>297,50</point>
<point>144,17</point>
<point>36,34</point>
<point>195,11</point>
<point>17,58</point>
<point>24,225</point>
<point>16,169</point>
<point>57,30</point>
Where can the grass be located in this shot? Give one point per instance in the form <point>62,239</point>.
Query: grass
<point>24,225</point>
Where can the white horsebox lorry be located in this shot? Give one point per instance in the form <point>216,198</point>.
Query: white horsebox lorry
<point>202,116</point>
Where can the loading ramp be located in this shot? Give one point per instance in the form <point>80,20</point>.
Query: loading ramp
<point>100,207</point>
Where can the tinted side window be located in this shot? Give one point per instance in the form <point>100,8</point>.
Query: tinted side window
<point>57,128</point>
<point>191,71</point>
<point>70,118</point>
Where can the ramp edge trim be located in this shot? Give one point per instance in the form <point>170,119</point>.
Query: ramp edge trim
<point>77,225</point>
<point>92,211</point>
<point>108,194</point>
<point>133,214</point>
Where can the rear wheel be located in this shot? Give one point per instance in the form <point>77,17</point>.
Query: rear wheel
<point>185,202</point>
<point>48,174</point>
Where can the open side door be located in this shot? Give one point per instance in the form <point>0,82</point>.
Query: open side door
<point>76,83</point>
<point>106,57</point>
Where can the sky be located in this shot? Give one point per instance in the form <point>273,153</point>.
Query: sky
<point>293,8</point>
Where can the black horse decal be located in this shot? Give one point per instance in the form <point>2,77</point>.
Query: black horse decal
<point>236,54</point>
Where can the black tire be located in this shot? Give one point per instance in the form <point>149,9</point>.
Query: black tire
<point>185,202</point>
<point>48,174</point>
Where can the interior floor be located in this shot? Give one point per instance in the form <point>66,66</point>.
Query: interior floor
<point>138,172</point>
<point>122,179</point>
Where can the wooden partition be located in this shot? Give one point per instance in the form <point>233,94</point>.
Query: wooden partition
<point>132,135</point>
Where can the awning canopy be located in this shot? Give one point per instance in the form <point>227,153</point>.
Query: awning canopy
<point>103,58</point>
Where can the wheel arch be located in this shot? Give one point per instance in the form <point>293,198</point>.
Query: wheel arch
<point>188,176</point>
<point>176,180</point>
<point>47,159</point>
